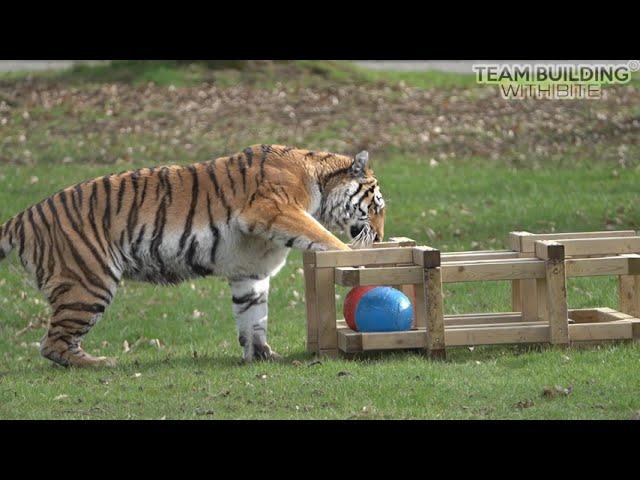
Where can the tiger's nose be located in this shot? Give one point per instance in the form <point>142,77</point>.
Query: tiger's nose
<point>355,230</point>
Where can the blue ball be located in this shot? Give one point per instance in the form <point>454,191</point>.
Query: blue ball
<point>384,309</point>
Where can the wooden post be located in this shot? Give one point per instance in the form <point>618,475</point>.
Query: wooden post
<point>556,289</point>
<point>311,301</point>
<point>629,294</point>
<point>409,290</point>
<point>435,313</point>
<point>523,292</point>
<point>326,308</point>
<point>430,299</point>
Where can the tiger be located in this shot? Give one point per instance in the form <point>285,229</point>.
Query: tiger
<point>234,217</point>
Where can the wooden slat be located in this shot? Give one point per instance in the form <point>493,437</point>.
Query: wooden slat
<point>511,269</point>
<point>579,332</point>
<point>478,318</point>
<point>595,246</point>
<point>497,325</point>
<point>513,333</point>
<point>497,335</point>
<point>393,340</point>
<point>368,256</point>
<point>592,267</point>
<point>525,242</point>
<point>351,277</point>
<point>395,242</point>
<point>479,255</point>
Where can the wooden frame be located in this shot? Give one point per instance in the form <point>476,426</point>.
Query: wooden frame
<point>537,265</point>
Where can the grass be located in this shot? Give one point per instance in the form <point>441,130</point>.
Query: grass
<point>195,374</point>
<point>466,202</point>
<point>261,74</point>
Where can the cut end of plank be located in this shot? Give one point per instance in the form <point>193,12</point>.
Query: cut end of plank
<point>549,250</point>
<point>426,257</point>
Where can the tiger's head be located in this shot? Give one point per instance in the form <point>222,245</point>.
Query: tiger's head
<point>352,203</point>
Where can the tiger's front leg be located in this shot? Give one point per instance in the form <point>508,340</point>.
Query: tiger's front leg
<point>290,227</point>
<point>250,308</point>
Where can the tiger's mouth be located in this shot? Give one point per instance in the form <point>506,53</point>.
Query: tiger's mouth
<point>363,236</point>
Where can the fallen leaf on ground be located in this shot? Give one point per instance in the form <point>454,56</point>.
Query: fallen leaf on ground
<point>551,392</point>
<point>524,404</point>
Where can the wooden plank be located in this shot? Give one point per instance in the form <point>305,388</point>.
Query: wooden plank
<point>435,313</point>
<point>496,325</point>
<point>515,240</point>
<point>482,318</point>
<point>326,310</point>
<point>351,277</point>
<point>395,242</point>
<point>497,335</point>
<point>514,333</point>
<point>512,269</point>
<point>629,294</point>
<point>556,291</point>
<point>365,256</point>
<point>393,340</point>
<point>524,242</point>
<point>595,246</point>
<point>592,267</point>
<point>479,255</point>
<point>583,332</point>
<point>311,305</point>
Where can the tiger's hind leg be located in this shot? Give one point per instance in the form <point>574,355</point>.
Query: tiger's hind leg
<point>76,309</point>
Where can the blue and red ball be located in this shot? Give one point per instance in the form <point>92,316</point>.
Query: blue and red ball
<point>377,309</point>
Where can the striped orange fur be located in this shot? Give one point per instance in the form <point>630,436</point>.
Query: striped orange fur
<point>235,217</point>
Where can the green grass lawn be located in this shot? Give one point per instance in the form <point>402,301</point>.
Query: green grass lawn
<point>183,356</point>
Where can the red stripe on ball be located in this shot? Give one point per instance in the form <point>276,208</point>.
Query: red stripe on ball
<point>351,303</point>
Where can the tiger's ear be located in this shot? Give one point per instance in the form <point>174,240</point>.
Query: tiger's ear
<point>360,163</point>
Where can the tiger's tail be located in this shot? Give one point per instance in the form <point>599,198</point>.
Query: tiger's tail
<point>6,240</point>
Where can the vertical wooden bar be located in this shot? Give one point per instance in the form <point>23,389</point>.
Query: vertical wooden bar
<point>420,305</point>
<point>425,257</point>
<point>408,290</point>
<point>556,284</point>
<point>311,301</point>
<point>629,295</point>
<point>435,313</point>
<point>327,322</point>
<point>523,292</point>
<point>516,296</point>
<point>541,299</point>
